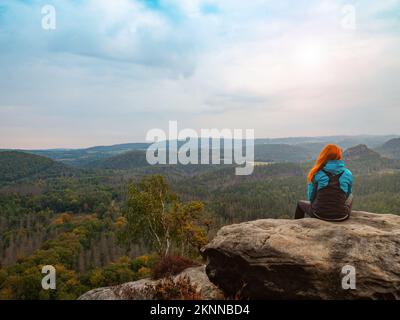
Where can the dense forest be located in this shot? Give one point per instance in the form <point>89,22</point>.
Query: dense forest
<point>86,220</point>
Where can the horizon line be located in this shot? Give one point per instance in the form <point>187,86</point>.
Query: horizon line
<point>144,142</point>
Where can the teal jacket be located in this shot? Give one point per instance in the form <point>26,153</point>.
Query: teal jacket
<point>321,179</point>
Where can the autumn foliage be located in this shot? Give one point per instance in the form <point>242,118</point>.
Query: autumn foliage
<point>170,266</point>
<point>156,217</point>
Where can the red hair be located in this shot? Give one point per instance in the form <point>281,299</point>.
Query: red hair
<point>329,152</point>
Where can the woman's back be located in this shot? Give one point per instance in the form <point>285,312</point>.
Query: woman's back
<point>329,188</point>
<point>321,178</point>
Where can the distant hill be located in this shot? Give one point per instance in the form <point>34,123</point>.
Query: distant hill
<point>372,141</point>
<point>281,153</point>
<point>16,166</point>
<point>363,160</point>
<point>390,149</point>
<point>313,148</point>
<point>263,153</point>
<point>126,161</point>
<point>82,157</point>
<point>119,147</point>
<point>361,152</point>
<point>280,149</point>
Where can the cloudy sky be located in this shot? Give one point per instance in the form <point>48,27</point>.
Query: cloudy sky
<point>112,70</point>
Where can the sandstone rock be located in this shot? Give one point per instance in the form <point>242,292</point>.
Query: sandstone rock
<point>303,259</point>
<point>135,290</point>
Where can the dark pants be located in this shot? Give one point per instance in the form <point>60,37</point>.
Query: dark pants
<point>304,208</point>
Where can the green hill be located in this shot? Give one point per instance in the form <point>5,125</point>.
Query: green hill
<point>363,160</point>
<point>281,153</point>
<point>15,165</point>
<point>390,149</point>
<point>361,152</point>
<point>126,161</point>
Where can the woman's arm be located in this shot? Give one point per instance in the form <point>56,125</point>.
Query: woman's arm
<point>310,192</point>
<point>350,184</point>
<point>346,182</point>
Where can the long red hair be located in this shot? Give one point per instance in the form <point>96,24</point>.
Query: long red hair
<point>329,152</point>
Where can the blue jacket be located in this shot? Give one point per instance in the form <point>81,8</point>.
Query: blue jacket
<point>321,179</point>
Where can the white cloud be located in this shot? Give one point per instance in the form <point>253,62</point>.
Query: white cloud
<point>120,68</point>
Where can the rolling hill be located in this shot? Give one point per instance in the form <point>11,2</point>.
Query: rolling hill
<point>280,153</point>
<point>363,160</point>
<point>390,149</point>
<point>361,152</point>
<point>125,161</point>
<point>279,150</point>
<point>15,166</point>
<point>82,157</point>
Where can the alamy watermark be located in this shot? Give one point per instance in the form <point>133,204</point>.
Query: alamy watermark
<point>49,280</point>
<point>188,147</point>
<point>349,17</point>
<point>349,279</point>
<point>49,17</point>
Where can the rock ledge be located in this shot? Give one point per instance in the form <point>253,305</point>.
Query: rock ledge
<point>303,259</point>
<point>197,276</point>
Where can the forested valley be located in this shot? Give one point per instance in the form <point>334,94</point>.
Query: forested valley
<point>87,220</point>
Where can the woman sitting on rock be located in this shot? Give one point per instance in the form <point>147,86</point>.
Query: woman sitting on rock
<point>329,188</point>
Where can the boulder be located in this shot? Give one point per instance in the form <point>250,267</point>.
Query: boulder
<point>308,258</point>
<point>136,290</point>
